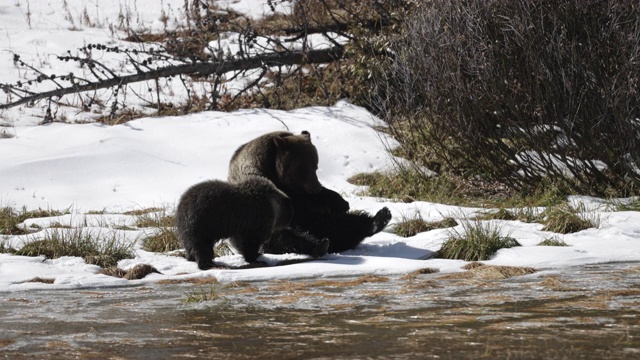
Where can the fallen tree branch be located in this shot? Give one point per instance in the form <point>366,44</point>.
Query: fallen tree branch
<point>197,69</point>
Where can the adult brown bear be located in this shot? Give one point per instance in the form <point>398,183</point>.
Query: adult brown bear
<point>290,161</point>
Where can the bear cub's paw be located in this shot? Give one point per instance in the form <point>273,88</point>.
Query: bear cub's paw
<point>206,265</point>
<point>380,220</point>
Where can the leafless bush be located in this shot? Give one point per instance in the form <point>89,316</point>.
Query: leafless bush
<point>518,91</point>
<point>281,61</point>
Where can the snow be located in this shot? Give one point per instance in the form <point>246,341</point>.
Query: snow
<point>89,168</point>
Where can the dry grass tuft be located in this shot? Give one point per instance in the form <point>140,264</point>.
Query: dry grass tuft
<point>350,283</point>
<point>10,219</point>
<point>104,250</point>
<point>135,273</point>
<point>41,280</point>
<point>164,240</point>
<point>412,226</point>
<point>113,271</point>
<point>565,219</point>
<point>140,271</point>
<point>475,241</point>
<point>472,265</point>
<point>412,275</point>
<point>480,271</point>
<point>556,283</point>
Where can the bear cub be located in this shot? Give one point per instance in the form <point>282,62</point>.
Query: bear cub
<point>248,213</point>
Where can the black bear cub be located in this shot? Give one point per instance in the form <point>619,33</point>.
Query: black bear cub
<point>247,212</point>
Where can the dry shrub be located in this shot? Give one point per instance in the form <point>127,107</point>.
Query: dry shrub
<point>518,91</point>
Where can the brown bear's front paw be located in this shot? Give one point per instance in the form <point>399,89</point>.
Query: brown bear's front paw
<point>321,249</point>
<point>381,220</point>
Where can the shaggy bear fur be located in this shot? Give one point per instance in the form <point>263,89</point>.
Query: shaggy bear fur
<point>290,162</point>
<point>247,212</point>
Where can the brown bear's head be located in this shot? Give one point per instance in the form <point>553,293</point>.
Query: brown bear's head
<point>297,162</point>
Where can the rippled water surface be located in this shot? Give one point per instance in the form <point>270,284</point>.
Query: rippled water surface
<point>588,312</point>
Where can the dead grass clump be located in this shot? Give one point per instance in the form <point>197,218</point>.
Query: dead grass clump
<point>472,265</point>
<point>408,185</point>
<point>286,285</point>
<point>141,212</point>
<point>137,272</point>
<point>163,241</point>
<point>95,248</point>
<point>121,117</point>
<point>10,219</point>
<point>501,214</point>
<point>153,217</point>
<point>349,283</point>
<point>475,241</point>
<point>41,280</point>
<point>412,275</point>
<point>140,271</point>
<point>164,237</point>
<point>480,271</point>
<point>6,249</point>
<point>552,241</point>
<point>565,219</point>
<point>556,283</point>
<point>501,272</point>
<point>413,226</point>
<point>236,284</point>
<point>113,271</point>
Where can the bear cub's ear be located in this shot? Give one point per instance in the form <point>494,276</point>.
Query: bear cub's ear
<point>306,134</point>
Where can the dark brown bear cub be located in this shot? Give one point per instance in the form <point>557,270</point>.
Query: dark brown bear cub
<point>247,212</point>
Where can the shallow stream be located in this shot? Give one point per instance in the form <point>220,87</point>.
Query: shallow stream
<point>587,312</point>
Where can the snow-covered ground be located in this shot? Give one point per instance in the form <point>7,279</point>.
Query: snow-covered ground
<point>149,162</point>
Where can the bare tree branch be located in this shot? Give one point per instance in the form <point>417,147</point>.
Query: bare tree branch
<point>198,69</point>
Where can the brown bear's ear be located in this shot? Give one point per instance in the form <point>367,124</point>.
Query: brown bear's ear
<point>306,134</point>
<point>280,142</point>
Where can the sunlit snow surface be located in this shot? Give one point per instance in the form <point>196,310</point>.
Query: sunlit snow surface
<point>149,162</point>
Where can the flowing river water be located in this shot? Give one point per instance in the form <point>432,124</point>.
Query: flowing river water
<point>587,312</point>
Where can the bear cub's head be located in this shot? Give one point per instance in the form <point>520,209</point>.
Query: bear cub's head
<point>297,162</point>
